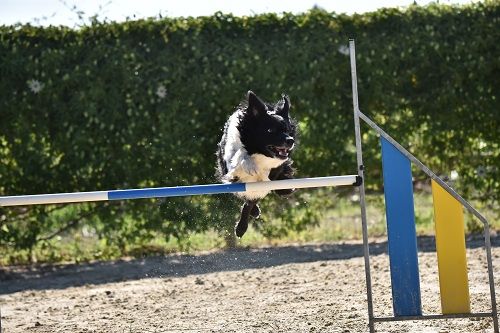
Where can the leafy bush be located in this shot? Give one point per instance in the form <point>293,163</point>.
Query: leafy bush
<point>142,103</point>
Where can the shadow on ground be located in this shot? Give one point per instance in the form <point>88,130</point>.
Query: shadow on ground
<point>14,279</point>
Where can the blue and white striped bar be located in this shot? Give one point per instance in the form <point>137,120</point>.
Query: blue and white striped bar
<point>177,191</point>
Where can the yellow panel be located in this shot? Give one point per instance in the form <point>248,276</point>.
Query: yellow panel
<point>450,246</point>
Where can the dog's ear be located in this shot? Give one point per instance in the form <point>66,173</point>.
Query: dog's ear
<point>283,106</point>
<point>255,105</point>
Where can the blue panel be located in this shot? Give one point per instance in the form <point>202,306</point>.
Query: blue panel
<point>401,234</point>
<point>178,191</point>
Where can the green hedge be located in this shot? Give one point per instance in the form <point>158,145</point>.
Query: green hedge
<point>143,103</point>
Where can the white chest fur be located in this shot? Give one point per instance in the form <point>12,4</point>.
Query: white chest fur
<point>254,168</point>
<point>263,166</point>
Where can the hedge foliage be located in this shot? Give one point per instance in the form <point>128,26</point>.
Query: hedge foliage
<point>142,103</point>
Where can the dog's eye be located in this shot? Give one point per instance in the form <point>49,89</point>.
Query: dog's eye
<point>271,130</point>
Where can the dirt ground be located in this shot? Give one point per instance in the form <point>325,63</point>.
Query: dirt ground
<point>307,288</point>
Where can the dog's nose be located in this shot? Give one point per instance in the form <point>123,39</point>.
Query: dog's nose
<point>289,142</point>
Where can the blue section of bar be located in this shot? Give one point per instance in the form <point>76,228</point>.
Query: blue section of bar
<point>401,233</point>
<point>177,191</point>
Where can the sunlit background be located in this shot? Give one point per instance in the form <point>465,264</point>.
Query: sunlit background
<point>75,13</point>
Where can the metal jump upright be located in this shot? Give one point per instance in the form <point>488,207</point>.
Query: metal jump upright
<point>448,204</point>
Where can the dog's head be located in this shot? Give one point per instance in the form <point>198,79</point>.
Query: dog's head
<point>267,128</point>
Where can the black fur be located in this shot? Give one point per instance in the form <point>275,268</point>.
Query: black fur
<point>256,145</point>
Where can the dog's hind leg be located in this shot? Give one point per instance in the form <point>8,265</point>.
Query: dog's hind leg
<point>246,211</point>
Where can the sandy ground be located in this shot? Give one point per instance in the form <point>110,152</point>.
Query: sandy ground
<point>313,288</point>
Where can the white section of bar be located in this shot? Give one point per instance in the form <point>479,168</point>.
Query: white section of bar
<point>43,199</point>
<point>301,183</point>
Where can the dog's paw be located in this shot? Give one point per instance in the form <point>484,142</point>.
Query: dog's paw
<point>285,192</point>
<point>231,177</point>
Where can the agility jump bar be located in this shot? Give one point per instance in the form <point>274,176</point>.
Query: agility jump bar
<point>178,191</point>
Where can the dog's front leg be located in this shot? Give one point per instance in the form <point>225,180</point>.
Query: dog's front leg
<point>283,172</point>
<point>247,210</point>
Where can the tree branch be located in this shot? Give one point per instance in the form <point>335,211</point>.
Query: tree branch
<point>68,226</point>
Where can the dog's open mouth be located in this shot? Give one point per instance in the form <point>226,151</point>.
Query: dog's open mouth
<point>280,152</point>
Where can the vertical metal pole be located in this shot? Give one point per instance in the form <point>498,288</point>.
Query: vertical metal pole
<point>494,312</point>
<point>362,199</point>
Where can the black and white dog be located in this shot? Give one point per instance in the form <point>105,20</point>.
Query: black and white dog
<point>256,145</point>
